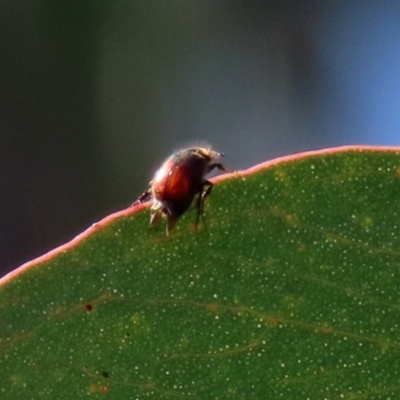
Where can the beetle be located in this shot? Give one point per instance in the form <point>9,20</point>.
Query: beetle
<point>178,181</point>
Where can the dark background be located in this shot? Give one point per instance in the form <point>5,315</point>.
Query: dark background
<point>95,94</point>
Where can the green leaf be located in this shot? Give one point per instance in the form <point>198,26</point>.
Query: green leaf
<point>289,291</point>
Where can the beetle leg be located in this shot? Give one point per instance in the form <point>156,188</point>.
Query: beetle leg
<point>199,206</point>
<point>207,185</point>
<point>155,217</point>
<point>159,209</point>
<point>143,197</point>
<point>218,166</point>
<point>171,221</point>
<point>206,188</point>
<point>156,212</point>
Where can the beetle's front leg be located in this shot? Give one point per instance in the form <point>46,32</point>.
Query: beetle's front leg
<point>143,197</point>
<point>219,166</point>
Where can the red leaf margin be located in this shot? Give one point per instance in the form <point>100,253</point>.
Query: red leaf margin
<point>132,209</point>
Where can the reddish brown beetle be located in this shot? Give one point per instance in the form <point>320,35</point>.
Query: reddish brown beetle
<point>178,181</point>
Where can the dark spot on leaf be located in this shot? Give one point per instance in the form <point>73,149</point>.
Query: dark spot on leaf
<point>89,307</point>
<point>104,374</point>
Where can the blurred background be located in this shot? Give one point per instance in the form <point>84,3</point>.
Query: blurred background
<point>95,94</point>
